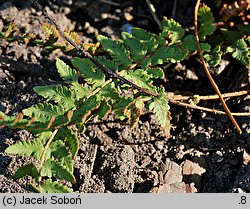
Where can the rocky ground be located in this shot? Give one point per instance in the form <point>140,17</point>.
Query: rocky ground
<point>204,153</point>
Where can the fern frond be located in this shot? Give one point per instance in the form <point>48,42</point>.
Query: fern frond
<point>57,93</point>
<point>108,63</point>
<point>85,109</point>
<point>73,36</point>
<point>53,187</point>
<point>155,72</point>
<point>67,136</point>
<point>90,73</point>
<point>44,111</point>
<point>51,34</point>
<point>172,53</point>
<point>146,38</point>
<point>27,170</point>
<point>214,57</point>
<point>117,51</point>
<point>103,110</point>
<point>206,19</point>
<point>66,73</point>
<point>29,148</point>
<point>172,30</point>
<point>120,106</point>
<point>240,51</point>
<point>110,92</point>
<point>80,91</point>
<point>159,106</point>
<point>140,77</point>
<point>43,136</point>
<point>11,29</point>
<point>53,168</point>
<point>134,46</point>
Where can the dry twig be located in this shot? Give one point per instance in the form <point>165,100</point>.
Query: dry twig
<point>153,13</point>
<point>241,114</point>
<point>205,66</point>
<point>211,97</point>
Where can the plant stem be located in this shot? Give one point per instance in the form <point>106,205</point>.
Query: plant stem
<point>241,114</point>
<point>82,53</point>
<point>45,152</point>
<point>205,66</point>
<point>210,97</point>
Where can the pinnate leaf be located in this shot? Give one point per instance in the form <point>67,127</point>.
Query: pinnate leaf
<point>27,170</point>
<point>140,77</point>
<point>240,51</point>
<point>89,72</point>
<point>66,73</point>
<point>44,111</point>
<point>118,52</point>
<point>54,168</point>
<point>146,38</point>
<point>172,29</point>
<point>135,47</point>
<point>57,93</point>
<point>26,148</point>
<point>53,187</point>
<point>67,136</point>
<point>159,106</point>
<point>205,18</point>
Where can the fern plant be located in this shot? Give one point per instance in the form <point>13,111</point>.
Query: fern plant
<point>138,57</point>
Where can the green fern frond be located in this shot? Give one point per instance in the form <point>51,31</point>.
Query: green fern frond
<point>140,77</point>
<point>57,93</point>
<point>135,47</point>
<point>120,106</point>
<point>206,20</point>
<point>146,38</point>
<point>103,110</point>
<point>109,91</point>
<point>205,15</point>
<point>108,63</point>
<point>159,106</point>
<point>43,136</point>
<point>67,136</point>
<point>155,72</point>
<point>172,30</point>
<point>66,73</point>
<point>117,51</point>
<point>240,51</point>
<point>53,187</point>
<point>29,148</point>
<point>53,168</point>
<point>44,111</point>
<point>214,57</point>
<point>27,170</point>
<point>79,90</point>
<point>90,73</point>
<point>172,53</point>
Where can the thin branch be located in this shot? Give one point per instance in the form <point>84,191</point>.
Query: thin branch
<point>83,53</point>
<point>110,2</point>
<point>241,114</point>
<point>211,97</point>
<point>174,8</point>
<point>205,66</point>
<point>153,13</point>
